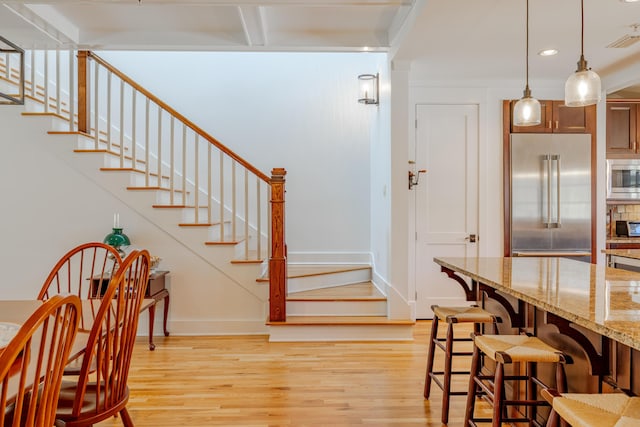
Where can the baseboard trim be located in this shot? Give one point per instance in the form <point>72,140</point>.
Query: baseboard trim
<point>216,327</point>
<point>329,258</point>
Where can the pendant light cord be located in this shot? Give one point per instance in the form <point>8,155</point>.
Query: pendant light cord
<point>582,28</point>
<point>527,48</point>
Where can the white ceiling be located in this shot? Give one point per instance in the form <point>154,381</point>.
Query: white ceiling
<point>445,39</point>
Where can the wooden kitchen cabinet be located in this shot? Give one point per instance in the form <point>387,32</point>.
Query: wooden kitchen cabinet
<point>556,117</point>
<point>622,129</point>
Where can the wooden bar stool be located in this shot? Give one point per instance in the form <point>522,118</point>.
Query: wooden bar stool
<point>507,350</point>
<point>453,316</point>
<point>593,410</point>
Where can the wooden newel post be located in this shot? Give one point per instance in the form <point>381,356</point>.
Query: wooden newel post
<point>278,260</point>
<point>83,91</point>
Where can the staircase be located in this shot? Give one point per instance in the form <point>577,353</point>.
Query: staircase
<point>336,303</point>
<point>216,220</point>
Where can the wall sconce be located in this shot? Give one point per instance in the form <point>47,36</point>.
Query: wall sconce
<point>369,89</point>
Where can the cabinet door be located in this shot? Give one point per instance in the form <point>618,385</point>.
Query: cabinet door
<point>545,119</point>
<point>621,128</point>
<point>571,119</point>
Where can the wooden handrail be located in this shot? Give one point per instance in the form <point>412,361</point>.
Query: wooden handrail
<point>178,116</point>
<point>278,250</point>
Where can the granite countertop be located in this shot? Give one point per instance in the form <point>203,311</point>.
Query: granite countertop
<point>626,253</point>
<point>602,299</point>
<point>623,239</point>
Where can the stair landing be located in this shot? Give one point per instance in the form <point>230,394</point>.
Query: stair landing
<point>353,312</point>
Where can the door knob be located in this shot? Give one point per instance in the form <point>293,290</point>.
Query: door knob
<point>471,238</point>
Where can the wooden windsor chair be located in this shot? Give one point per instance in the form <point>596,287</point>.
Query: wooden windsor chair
<point>32,364</point>
<point>75,272</point>
<point>101,390</point>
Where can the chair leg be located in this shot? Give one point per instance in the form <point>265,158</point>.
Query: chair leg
<point>552,421</point>
<point>498,397</point>
<point>561,378</point>
<point>471,393</point>
<point>447,374</point>
<point>432,345</point>
<point>126,418</point>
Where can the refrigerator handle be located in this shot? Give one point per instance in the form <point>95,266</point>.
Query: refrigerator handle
<point>557,159</point>
<point>547,223</point>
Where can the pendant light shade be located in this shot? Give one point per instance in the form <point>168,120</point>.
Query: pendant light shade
<point>582,87</point>
<point>526,112</point>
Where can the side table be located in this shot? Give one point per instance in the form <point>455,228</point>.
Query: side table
<point>156,291</point>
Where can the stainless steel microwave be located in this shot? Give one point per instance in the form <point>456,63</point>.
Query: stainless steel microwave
<point>623,179</point>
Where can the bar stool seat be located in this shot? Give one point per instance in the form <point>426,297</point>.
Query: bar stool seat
<point>595,410</point>
<point>506,350</point>
<point>451,315</point>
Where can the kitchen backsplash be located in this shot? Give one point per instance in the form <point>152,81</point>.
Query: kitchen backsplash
<point>621,213</point>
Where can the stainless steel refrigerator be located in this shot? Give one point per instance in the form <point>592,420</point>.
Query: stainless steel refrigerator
<point>551,195</point>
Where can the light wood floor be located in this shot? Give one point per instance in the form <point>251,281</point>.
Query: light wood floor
<point>247,381</point>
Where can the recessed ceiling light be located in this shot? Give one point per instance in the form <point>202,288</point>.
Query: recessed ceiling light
<point>629,1</point>
<point>548,52</point>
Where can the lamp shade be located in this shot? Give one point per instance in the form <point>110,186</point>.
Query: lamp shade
<point>369,89</point>
<point>117,238</point>
<point>527,112</point>
<point>582,88</point>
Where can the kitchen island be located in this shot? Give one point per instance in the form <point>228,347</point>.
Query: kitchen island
<point>591,312</point>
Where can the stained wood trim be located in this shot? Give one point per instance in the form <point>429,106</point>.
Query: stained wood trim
<point>44,115</point>
<point>592,129</point>
<point>177,115</point>
<point>278,260</point>
<point>105,151</point>
<point>225,243</point>
<point>506,174</point>
<point>175,190</point>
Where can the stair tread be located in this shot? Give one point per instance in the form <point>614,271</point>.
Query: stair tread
<point>364,291</point>
<point>307,270</point>
<point>339,321</point>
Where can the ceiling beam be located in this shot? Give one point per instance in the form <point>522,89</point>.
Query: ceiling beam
<point>47,20</point>
<point>307,3</point>
<point>253,25</point>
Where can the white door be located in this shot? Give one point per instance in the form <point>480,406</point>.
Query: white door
<point>446,199</point>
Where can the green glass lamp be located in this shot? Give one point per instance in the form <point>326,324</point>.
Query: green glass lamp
<point>117,238</point>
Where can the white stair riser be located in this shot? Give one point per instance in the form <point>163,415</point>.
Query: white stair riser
<point>337,308</point>
<point>299,284</point>
<point>311,333</point>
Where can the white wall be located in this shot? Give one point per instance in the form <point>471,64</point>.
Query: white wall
<point>279,110</point>
<point>49,208</point>
<point>293,110</point>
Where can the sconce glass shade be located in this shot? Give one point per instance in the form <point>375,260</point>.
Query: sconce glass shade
<point>369,89</point>
<point>117,238</point>
<point>527,111</point>
<point>582,87</point>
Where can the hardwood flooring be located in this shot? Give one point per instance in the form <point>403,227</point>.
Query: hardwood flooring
<point>247,381</point>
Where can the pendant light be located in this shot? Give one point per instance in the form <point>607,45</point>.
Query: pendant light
<point>526,112</point>
<point>582,87</point>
